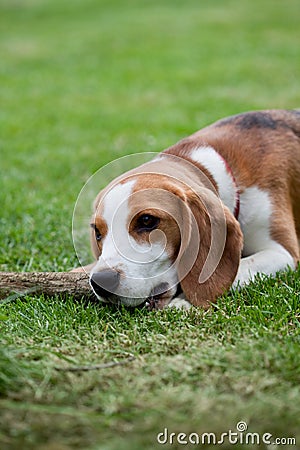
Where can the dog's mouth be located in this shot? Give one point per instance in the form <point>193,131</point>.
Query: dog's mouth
<point>159,297</point>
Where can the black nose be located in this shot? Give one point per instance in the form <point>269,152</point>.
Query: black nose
<point>105,282</point>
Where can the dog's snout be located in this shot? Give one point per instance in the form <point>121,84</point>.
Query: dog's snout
<point>105,282</point>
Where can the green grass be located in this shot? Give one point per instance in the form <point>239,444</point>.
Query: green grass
<point>193,372</point>
<point>83,83</point>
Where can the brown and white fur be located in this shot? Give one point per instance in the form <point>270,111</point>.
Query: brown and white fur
<point>157,228</point>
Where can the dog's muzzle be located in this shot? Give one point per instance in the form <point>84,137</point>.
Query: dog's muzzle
<point>106,282</point>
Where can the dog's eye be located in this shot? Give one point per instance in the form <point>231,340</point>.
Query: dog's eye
<point>147,222</point>
<point>98,235</point>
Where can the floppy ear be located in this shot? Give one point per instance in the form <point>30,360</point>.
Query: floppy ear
<point>210,254</point>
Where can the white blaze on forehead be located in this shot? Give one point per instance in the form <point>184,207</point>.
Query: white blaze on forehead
<point>116,213</point>
<point>117,196</point>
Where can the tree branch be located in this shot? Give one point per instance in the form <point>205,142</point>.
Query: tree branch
<point>47,283</point>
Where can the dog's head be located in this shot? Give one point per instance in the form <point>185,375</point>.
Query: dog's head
<point>152,232</point>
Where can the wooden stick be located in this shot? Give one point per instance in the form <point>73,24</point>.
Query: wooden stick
<point>47,283</point>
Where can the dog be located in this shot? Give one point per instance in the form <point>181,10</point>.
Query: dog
<point>206,215</point>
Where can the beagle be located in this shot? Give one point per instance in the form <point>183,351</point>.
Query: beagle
<point>208,213</point>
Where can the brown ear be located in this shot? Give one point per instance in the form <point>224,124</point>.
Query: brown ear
<point>215,239</point>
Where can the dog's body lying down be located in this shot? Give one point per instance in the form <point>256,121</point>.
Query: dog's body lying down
<point>206,214</point>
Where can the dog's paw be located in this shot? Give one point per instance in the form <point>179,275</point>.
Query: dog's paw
<point>180,303</point>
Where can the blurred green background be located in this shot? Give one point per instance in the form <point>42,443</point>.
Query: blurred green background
<point>85,82</point>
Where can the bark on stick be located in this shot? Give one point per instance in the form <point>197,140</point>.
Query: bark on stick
<point>47,283</point>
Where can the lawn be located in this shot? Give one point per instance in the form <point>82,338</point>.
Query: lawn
<point>83,83</point>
